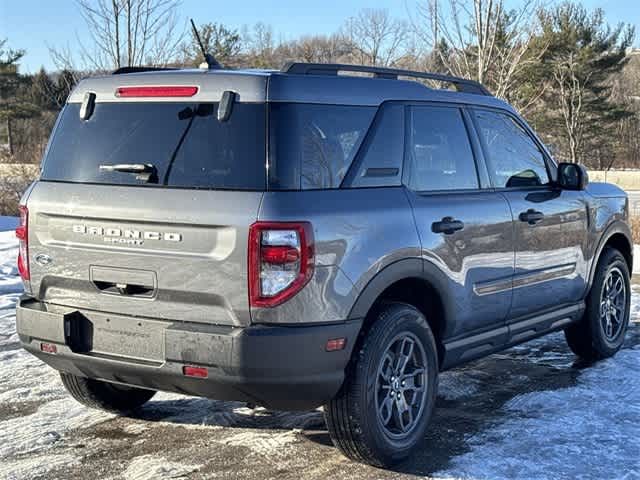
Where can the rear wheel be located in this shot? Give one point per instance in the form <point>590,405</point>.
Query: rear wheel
<point>105,396</point>
<point>600,333</point>
<point>382,411</point>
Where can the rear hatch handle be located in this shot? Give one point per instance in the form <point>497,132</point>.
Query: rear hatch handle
<point>146,172</point>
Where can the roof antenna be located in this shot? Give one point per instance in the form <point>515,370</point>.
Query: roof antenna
<point>210,63</point>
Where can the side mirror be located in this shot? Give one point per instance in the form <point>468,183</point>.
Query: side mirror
<point>572,176</point>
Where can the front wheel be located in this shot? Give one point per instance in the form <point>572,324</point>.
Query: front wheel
<point>600,333</point>
<point>381,413</point>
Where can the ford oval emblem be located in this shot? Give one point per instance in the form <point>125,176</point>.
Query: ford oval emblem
<point>43,259</point>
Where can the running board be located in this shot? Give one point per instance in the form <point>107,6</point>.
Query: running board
<point>462,350</point>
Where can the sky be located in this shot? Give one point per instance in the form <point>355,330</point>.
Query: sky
<point>36,25</point>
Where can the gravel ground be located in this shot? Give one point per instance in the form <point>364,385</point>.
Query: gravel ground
<point>531,412</point>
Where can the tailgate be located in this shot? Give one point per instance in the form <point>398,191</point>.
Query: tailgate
<point>171,254</point>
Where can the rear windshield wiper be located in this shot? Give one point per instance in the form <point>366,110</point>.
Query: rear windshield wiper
<point>146,172</point>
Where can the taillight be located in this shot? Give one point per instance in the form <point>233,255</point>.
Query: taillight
<point>164,91</point>
<point>281,259</point>
<point>22,232</point>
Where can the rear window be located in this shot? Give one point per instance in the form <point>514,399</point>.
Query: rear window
<point>312,146</point>
<point>185,142</point>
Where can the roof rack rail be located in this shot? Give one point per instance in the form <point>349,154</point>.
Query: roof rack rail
<point>461,84</point>
<point>123,70</point>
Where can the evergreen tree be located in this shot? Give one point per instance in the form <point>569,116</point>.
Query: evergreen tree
<point>218,40</point>
<point>67,80</point>
<point>43,91</point>
<point>581,53</point>
<point>12,104</point>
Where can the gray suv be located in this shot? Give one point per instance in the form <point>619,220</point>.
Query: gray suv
<point>303,237</point>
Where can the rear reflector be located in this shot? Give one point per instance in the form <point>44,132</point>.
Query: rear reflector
<point>165,91</point>
<point>199,372</point>
<point>335,344</point>
<point>22,233</point>
<point>48,348</point>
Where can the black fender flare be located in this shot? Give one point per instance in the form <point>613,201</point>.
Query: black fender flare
<point>616,227</point>
<point>401,270</point>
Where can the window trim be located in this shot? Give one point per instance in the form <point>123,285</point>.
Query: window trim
<point>549,164</point>
<point>474,153</point>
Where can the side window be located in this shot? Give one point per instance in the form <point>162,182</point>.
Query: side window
<point>379,163</point>
<point>312,146</point>
<point>439,154</point>
<point>514,160</point>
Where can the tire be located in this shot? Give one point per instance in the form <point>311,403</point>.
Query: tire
<point>591,338</point>
<point>105,396</point>
<point>355,423</point>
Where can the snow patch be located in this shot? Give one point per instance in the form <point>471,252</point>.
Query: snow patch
<point>151,467</point>
<point>456,384</point>
<point>267,443</point>
<point>39,431</point>
<point>34,466</point>
<point>135,428</point>
<point>636,259</point>
<point>553,434</point>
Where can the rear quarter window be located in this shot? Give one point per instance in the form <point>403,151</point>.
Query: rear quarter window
<point>312,146</point>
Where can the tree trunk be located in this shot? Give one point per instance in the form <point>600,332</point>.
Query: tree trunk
<point>116,21</point>
<point>9,136</point>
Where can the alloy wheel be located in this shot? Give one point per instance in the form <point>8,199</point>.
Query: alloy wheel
<point>613,303</point>
<point>401,385</point>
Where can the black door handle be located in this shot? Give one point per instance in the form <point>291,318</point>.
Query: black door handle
<point>531,216</point>
<point>447,225</point>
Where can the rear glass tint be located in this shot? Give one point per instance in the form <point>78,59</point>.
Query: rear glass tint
<point>312,146</point>
<point>185,142</point>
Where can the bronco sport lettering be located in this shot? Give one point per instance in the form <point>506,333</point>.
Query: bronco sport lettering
<point>118,235</point>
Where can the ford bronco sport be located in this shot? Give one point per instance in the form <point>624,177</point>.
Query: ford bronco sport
<point>303,237</point>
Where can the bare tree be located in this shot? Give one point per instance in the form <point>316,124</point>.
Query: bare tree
<point>572,91</point>
<point>479,39</point>
<point>124,33</point>
<point>376,38</point>
<point>322,48</point>
<point>627,91</point>
<point>261,46</point>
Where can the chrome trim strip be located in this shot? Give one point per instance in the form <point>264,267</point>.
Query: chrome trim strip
<point>493,286</point>
<point>523,279</point>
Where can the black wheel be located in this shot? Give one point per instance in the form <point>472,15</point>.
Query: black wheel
<point>601,331</point>
<point>105,396</point>
<point>382,411</point>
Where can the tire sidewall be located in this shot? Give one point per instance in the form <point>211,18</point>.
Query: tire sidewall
<point>612,259</point>
<point>402,318</point>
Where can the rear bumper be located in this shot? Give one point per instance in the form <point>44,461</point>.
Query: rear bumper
<point>280,367</point>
